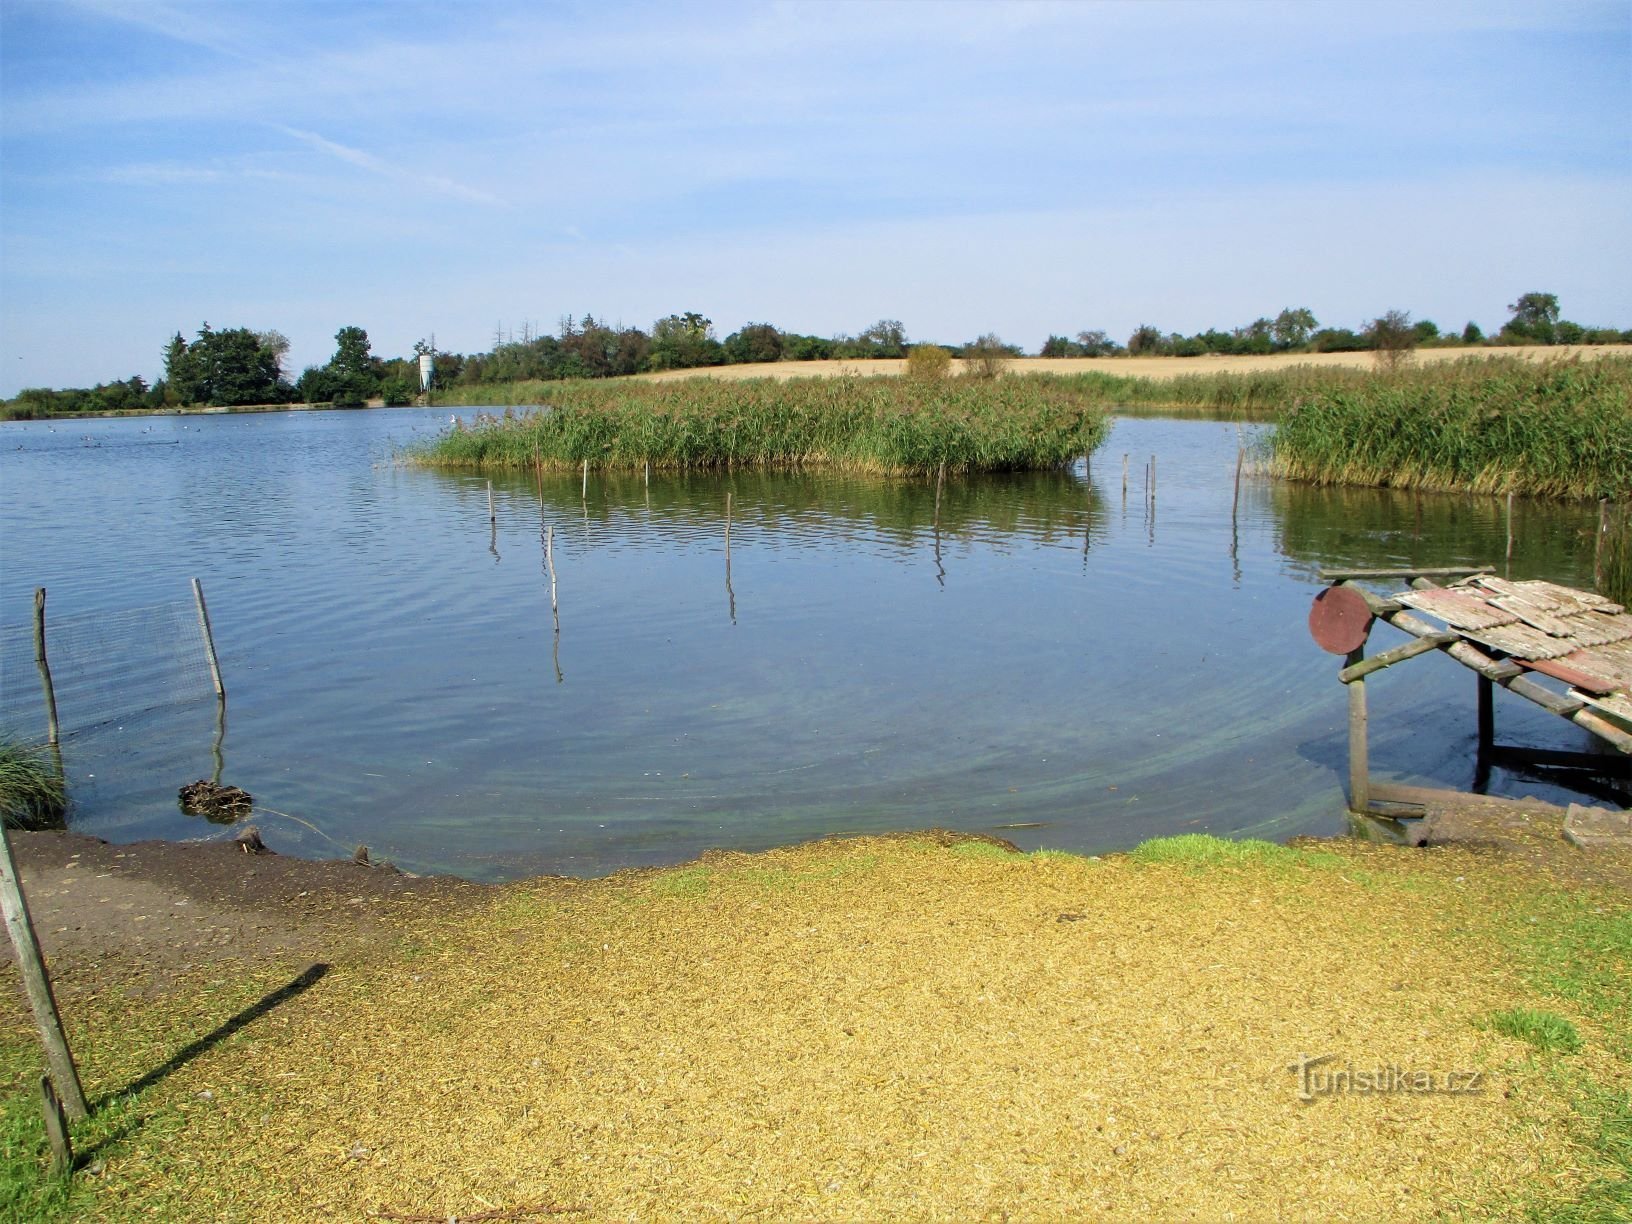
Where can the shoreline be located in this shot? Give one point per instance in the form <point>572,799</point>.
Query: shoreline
<point>1155,369</point>
<point>852,1028</point>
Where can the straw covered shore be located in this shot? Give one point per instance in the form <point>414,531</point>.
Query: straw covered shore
<point>927,1027</point>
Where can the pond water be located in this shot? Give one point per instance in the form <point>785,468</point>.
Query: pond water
<point>1046,660</point>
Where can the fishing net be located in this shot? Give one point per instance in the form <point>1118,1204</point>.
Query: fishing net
<point>104,666</point>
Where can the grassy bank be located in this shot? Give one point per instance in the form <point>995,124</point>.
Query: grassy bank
<point>1560,429</point>
<point>884,425</point>
<point>879,1028</point>
<point>32,792</point>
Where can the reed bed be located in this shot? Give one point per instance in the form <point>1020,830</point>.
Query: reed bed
<point>1558,429</point>
<point>32,794</point>
<point>878,425</point>
<point>1259,394</point>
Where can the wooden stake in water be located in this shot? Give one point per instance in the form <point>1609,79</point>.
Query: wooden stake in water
<point>1240,458</point>
<point>731,594</point>
<point>1597,552</point>
<point>45,668</point>
<point>940,479</point>
<point>31,965</point>
<point>1153,480</point>
<point>1124,479</point>
<point>492,517</point>
<point>1510,528</point>
<point>586,479</point>
<point>549,563</point>
<point>209,641</point>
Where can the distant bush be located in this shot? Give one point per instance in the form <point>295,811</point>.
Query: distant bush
<point>986,357</point>
<point>928,362</point>
<point>396,392</point>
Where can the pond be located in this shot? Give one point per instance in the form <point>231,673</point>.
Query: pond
<point>1041,657</point>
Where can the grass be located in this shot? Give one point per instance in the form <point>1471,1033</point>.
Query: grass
<point>874,425</point>
<point>32,792</point>
<point>1545,1030</point>
<point>1553,429</point>
<point>1202,850</point>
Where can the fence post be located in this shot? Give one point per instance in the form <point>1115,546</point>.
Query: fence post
<point>35,980</point>
<point>209,640</point>
<point>45,668</point>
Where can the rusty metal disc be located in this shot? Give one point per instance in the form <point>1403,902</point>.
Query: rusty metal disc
<point>1340,621</point>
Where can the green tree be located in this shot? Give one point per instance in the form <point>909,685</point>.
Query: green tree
<point>1392,338</point>
<point>355,371</point>
<point>684,342</point>
<point>1145,340</point>
<point>228,367</point>
<point>1471,334</point>
<point>1097,344</point>
<point>1292,328</point>
<point>754,342</point>
<point>986,357</point>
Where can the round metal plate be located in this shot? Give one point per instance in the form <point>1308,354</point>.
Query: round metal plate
<point>1340,622</point>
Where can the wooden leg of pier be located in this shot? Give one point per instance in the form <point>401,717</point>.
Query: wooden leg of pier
<point>1487,716</point>
<point>1359,773</point>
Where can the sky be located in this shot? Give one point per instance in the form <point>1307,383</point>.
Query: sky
<point>462,167</point>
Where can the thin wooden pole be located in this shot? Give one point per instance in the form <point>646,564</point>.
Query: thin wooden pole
<point>1153,480</point>
<point>728,531</point>
<point>56,1127</point>
<point>1240,458</point>
<point>940,479</point>
<point>45,667</point>
<point>209,640</point>
<point>1597,552</point>
<point>1510,528</point>
<point>492,517</point>
<point>549,562</point>
<point>586,480</point>
<point>1359,773</point>
<point>38,984</point>
<point>1124,479</point>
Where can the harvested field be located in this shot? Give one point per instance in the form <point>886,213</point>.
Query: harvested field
<point>1150,367</point>
<point>916,1027</point>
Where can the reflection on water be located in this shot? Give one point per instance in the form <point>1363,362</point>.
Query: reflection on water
<point>1045,655</point>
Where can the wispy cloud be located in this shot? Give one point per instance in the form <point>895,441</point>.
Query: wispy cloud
<point>385,169</point>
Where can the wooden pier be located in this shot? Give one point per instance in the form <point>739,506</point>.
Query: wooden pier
<point>1565,650</point>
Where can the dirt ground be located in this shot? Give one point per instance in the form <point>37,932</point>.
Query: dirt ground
<point>1149,367</point>
<point>920,1027</point>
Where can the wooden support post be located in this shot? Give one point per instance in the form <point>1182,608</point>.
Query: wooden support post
<point>1359,773</point>
<point>1153,480</point>
<point>31,964</point>
<point>585,492</point>
<point>491,516</point>
<point>56,1127</point>
<point>1124,479</point>
<point>549,563</point>
<point>1240,458</point>
<point>45,668</point>
<point>209,640</point>
<point>940,479</point>
<point>1487,715</point>
<point>1510,529</point>
<point>1598,550</point>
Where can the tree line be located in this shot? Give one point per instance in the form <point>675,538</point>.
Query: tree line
<point>239,366</point>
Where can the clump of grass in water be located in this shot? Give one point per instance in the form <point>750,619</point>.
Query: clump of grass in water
<point>1615,567</point>
<point>878,425</point>
<point>32,792</point>
<point>1545,1030</point>
<point>1554,429</point>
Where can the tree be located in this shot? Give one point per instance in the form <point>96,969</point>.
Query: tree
<point>1096,344</point>
<point>1058,346</point>
<point>684,342</point>
<point>986,357</point>
<point>754,342</point>
<point>886,338</point>
<point>1292,328</point>
<point>230,367</point>
<point>1145,340</point>
<point>1534,315</point>
<point>276,343</point>
<point>355,371</point>
<point>1471,334</point>
<point>1392,338</point>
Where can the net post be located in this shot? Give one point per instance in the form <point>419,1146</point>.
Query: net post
<point>209,640</point>
<point>45,667</point>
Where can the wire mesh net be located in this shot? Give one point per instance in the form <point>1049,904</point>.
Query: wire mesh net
<point>104,666</point>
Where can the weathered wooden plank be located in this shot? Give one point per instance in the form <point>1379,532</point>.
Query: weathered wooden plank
<point>1522,641</point>
<point>1342,575</point>
<point>1560,669</point>
<point>1396,654</point>
<point>1457,606</point>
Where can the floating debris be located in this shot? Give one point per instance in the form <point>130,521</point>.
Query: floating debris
<point>214,801</point>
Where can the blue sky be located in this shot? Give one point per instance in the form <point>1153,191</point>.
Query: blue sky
<point>1011,167</point>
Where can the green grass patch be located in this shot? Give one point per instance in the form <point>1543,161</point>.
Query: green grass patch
<point>683,882</point>
<point>1553,429</point>
<point>1205,850</point>
<point>1545,1030</point>
<point>32,792</point>
<point>878,425</point>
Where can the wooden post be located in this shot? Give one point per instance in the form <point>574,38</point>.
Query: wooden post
<point>1153,480</point>
<point>1240,458</point>
<point>1597,552</point>
<point>728,536</point>
<point>585,493</point>
<point>31,964</point>
<point>56,1127</point>
<point>209,640</point>
<point>549,562</point>
<point>45,668</point>
<point>1124,479</point>
<point>940,479</point>
<point>491,516</point>
<point>1487,716</point>
<point>1359,773</point>
<point>1510,528</point>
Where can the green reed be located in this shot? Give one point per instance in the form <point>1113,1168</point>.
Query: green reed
<point>881,425</point>
<point>1553,429</point>
<point>32,792</point>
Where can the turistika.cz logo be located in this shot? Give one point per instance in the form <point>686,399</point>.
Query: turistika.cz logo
<point>1316,1079</point>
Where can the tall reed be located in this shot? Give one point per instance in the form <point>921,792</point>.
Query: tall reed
<point>1555,429</point>
<point>882,425</point>
<point>32,794</point>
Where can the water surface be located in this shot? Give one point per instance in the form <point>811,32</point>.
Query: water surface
<point>1041,657</point>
